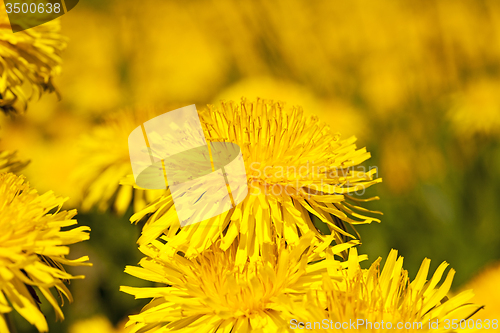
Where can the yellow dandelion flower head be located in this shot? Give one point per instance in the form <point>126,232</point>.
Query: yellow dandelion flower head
<point>475,110</point>
<point>298,172</point>
<point>103,161</point>
<point>487,292</point>
<point>97,323</point>
<point>10,163</point>
<point>211,293</point>
<point>370,297</point>
<point>33,247</point>
<point>28,57</point>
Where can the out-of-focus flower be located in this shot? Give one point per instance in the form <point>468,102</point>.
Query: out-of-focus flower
<point>295,166</point>
<point>212,293</point>
<point>476,110</point>
<point>171,57</point>
<point>385,89</point>
<point>336,113</point>
<point>33,247</point>
<point>30,57</point>
<point>382,299</point>
<point>98,324</point>
<point>344,117</point>
<point>49,142</point>
<point>438,45</point>
<point>101,86</point>
<point>487,292</point>
<point>10,163</point>
<point>104,161</point>
<point>281,90</point>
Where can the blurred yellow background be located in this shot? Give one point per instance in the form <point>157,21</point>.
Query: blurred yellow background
<point>417,82</point>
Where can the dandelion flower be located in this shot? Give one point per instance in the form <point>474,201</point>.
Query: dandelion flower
<point>373,296</point>
<point>10,163</point>
<point>159,72</point>
<point>97,323</point>
<point>476,109</point>
<point>33,247</point>
<point>29,57</point>
<point>211,293</point>
<point>338,113</point>
<point>104,161</point>
<point>487,292</point>
<point>296,168</point>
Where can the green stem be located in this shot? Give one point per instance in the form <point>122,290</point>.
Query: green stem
<point>10,323</point>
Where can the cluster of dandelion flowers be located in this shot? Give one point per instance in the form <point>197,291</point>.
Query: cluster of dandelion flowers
<point>371,297</point>
<point>34,238</point>
<point>103,162</point>
<point>296,166</point>
<point>212,293</point>
<point>31,57</point>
